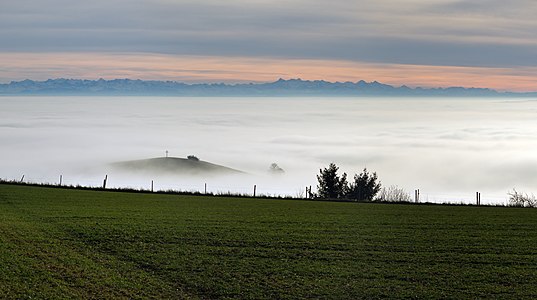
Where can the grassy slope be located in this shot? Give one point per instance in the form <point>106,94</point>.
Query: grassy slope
<point>58,243</point>
<point>174,165</point>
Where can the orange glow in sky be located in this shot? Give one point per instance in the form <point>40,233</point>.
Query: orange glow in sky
<point>190,69</point>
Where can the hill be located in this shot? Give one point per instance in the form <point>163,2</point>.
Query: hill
<point>174,166</point>
<point>281,87</point>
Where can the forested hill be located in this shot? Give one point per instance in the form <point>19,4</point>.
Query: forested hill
<point>281,87</point>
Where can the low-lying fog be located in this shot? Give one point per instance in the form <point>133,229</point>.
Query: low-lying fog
<point>448,148</point>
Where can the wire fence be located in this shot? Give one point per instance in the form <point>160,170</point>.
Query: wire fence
<point>155,185</point>
<point>208,187</point>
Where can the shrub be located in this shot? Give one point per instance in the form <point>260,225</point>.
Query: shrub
<point>393,193</point>
<point>518,199</point>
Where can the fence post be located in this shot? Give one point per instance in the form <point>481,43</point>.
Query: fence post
<point>255,187</point>
<point>205,188</point>
<point>61,180</point>
<point>104,182</point>
<point>477,198</point>
<point>151,186</point>
<point>22,178</point>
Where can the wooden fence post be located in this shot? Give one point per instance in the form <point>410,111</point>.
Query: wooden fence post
<point>151,186</point>
<point>104,182</point>
<point>205,188</point>
<point>61,180</point>
<point>255,187</point>
<point>22,178</point>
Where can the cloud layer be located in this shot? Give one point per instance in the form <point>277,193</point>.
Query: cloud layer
<point>448,148</point>
<point>465,33</point>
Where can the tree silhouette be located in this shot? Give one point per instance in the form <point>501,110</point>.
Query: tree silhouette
<point>364,187</point>
<point>331,186</point>
<point>275,169</point>
<point>193,157</point>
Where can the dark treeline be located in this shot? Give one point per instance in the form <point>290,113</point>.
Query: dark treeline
<point>364,186</point>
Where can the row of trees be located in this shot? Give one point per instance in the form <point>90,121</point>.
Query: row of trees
<point>364,186</point>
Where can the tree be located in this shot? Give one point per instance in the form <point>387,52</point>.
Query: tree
<point>331,186</point>
<point>364,187</point>
<point>193,157</point>
<point>275,169</point>
<point>519,199</point>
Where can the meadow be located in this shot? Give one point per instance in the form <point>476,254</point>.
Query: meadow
<point>69,243</point>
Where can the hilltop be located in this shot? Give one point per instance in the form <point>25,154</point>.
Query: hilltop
<point>281,87</point>
<point>174,166</point>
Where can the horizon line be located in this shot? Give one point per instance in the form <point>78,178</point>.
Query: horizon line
<point>253,82</point>
<point>234,70</point>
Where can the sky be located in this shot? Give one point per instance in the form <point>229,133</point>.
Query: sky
<point>429,43</point>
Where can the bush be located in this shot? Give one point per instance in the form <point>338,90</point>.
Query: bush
<point>393,193</point>
<point>518,199</point>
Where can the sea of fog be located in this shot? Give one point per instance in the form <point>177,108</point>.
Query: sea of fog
<point>449,148</point>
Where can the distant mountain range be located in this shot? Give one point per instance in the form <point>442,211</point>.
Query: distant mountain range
<point>281,87</point>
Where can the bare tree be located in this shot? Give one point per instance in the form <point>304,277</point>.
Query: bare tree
<point>393,193</point>
<point>519,199</point>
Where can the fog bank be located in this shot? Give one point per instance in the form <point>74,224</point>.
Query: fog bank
<point>448,148</point>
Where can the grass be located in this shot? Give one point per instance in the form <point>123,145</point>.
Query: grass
<point>68,243</point>
<point>174,165</point>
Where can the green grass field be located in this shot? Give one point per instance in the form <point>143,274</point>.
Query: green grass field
<point>58,243</point>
